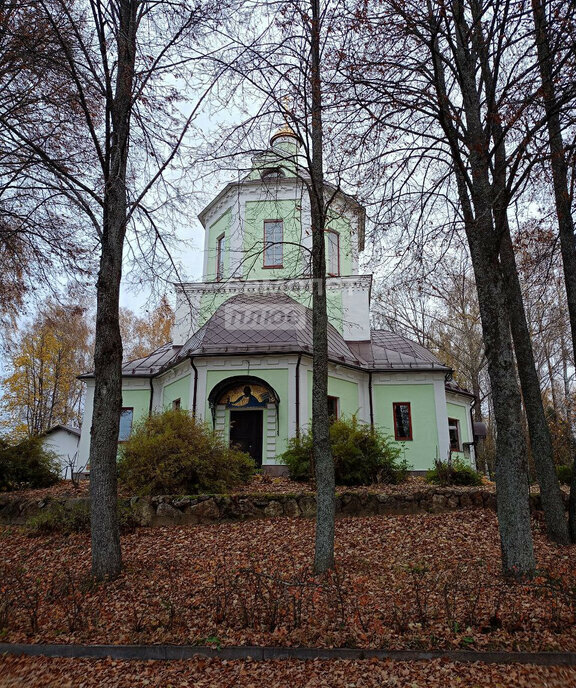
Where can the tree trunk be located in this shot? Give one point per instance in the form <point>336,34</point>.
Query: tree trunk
<point>106,553</point>
<point>540,439</point>
<point>323,463</point>
<point>539,432</point>
<point>561,193</point>
<point>511,475</point>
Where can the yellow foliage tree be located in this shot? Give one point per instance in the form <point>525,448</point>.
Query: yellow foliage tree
<point>41,389</point>
<point>142,336</point>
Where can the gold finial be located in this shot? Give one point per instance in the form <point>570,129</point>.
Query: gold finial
<point>286,129</point>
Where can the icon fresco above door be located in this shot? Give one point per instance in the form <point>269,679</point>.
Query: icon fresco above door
<point>247,396</point>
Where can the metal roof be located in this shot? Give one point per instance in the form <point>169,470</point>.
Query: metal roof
<point>68,428</point>
<point>390,351</point>
<point>276,323</point>
<point>263,323</point>
<point>151,364</point>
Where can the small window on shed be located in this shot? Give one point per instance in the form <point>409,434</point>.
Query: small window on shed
<point>176,405</point>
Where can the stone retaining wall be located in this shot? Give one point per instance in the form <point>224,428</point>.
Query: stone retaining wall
<point>170,510</point>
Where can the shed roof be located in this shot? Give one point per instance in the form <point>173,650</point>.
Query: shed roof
<point>68,428</point>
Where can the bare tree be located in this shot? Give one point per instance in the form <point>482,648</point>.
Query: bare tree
<point>426,88</point>
<point>552,62</point>
<point>38,237</point>
<point>119,59</point>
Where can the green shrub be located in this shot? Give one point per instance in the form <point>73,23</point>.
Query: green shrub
<point>171,453</point>
<point>362,455</point>
<point>564,474</point>
<point>27,465</point>
<point>453,472</point>
<point>74,517</point>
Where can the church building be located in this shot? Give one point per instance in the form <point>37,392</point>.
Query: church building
<point>241,352</point>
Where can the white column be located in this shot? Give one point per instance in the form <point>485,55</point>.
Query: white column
<point>441,419</point>
<point>201,391</point>
<point>84,443</point>
<point>270,434</point>
<point>291,401</point>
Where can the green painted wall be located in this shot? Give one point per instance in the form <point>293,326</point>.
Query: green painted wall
<point>178,390</point>
<point>421,450</point>
<point>221,226</point>
<point>139,400</point>
<point>460,413</point>
<point>345,390</point>
<point>254,215</point>
<point>278,379</point>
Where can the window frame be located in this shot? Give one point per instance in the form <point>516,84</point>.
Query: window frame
<point>455,423</point>
<point>126,408</point>
<point>410,436</point>
<point>220,256</point>
<point>280,243</point>
<point>177,404</point>
<point>336,400</point>
<point>329,230</point>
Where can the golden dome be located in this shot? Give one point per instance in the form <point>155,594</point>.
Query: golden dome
<point>286,130</point>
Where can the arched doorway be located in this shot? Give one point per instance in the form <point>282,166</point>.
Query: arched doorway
<point>247,408</point>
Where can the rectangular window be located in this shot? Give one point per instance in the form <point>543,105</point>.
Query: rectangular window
<point>333,407</point>
<point>332,253</point>
<point>273,253</point>
<point>220,257</point>
<point>176,404</point>
<point>126,416</point>
<point>454,430</point>
<point>402,421</point>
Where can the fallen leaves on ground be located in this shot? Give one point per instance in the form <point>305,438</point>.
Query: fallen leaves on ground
<point>258,484</point>
<point>39,672</point>
<point>413,581</point>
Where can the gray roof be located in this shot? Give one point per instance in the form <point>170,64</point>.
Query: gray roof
<point>68,428</point>
<point>390,351</point>
<point>267,323</point>
<point>276,323</point>
<point>153,363</point>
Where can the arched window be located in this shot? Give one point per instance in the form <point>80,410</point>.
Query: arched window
<point>332,253</point>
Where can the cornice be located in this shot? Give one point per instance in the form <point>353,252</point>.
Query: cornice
<point>361,282</point>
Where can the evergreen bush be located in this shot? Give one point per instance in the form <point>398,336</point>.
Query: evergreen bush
<point>27,465</point>
<point>453,472</point>
<point>172,453</point>
<point>362,455</point>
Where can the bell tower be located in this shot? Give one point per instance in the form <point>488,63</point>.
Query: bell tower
<point>258,240</point>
